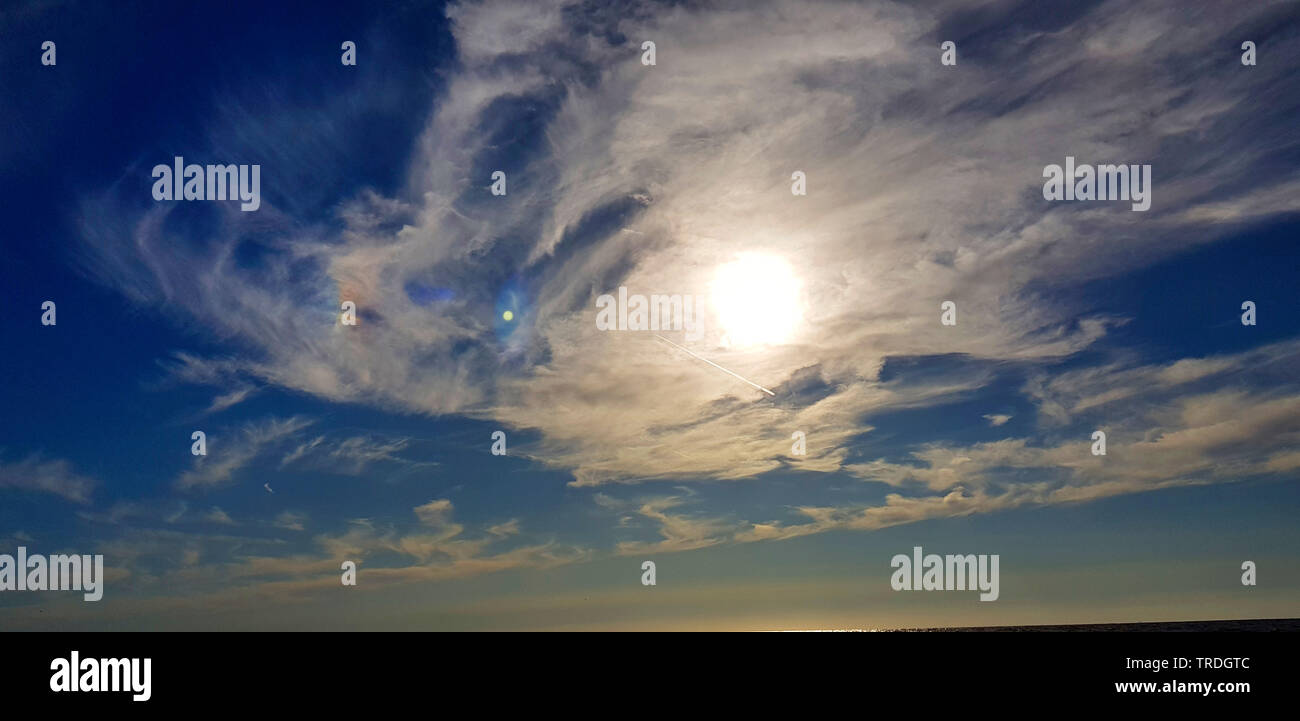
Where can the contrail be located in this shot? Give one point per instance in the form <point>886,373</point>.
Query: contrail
<point>715,365</point>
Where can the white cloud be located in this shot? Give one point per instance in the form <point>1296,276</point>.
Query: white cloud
<point>290,520</point>
<point>921,189</point>
<point>42,476</point>
<point>435,513</point>
<point>230,399</point>
<point>227,455</point>
<point>216,515</point>
<point>679,532</point>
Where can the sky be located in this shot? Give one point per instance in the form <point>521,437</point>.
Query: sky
<point>819,313</point>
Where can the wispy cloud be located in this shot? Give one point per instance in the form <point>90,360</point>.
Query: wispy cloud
<point>233,398</point>
<point>47,476</point>
<point>291,521</point>
<point>350,455</point>
<point>216,515</point>
<point>921,189</point>
<point>679,532</point>
<point>697,163</point>
<point>228,455</point>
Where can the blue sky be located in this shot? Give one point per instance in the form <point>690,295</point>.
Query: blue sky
<point>924,185</point>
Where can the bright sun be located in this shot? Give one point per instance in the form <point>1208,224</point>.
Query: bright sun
<point>756,299</point>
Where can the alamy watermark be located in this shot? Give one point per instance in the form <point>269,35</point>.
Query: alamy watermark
<point>636,312</point>
<point>212,182</point>
<point>946,573</point>
<point>1105,182</point>
<point>76,674</point>
<point>57,573</point>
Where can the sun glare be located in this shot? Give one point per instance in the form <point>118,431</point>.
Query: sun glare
<point>756,299</point>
